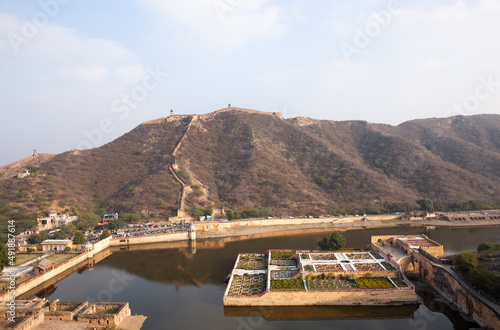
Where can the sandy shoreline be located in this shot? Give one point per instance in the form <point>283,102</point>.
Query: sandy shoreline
<point>266,231</point>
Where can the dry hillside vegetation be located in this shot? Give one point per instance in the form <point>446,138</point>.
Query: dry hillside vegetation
<point>243,160</point>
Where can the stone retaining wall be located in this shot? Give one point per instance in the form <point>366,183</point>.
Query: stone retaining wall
<point>311,298</point>
<point>448,284</point>
<point>146,239</point>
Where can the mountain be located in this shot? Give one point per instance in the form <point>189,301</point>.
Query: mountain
<point>242,159</point>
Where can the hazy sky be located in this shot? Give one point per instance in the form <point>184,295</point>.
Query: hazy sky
<point>77,74</point>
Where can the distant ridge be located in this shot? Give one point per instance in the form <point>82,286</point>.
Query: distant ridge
<point>211,115</point>
<point>236,158</point>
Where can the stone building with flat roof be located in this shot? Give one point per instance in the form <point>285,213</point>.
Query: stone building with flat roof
<point>43,267</point>
<point>56,245</point>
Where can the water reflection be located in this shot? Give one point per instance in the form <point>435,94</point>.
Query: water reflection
<point>280,313</point>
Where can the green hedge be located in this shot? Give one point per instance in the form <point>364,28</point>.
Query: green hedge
<point>282,254</point>
<point>287,284</point>
<point>373,283</point>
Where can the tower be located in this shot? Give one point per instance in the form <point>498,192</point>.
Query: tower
<point>35,153</point>
<point>171,112</point>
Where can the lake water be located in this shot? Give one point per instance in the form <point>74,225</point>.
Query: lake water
<point>180,286</point>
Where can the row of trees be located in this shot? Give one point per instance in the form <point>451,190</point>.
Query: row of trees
<point>428,205</point>
<point>488,246</point>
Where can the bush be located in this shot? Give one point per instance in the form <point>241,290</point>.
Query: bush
<point>281,254</point>
<point>198,193</point>
<point>287,284</point>
<point>373,283</point>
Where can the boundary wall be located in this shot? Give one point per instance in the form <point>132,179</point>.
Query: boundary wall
<point>96,248</point>
<point>315,298</point>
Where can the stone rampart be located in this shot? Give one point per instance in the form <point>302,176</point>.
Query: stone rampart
<point>38,280</point>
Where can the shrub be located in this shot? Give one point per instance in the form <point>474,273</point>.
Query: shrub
<point>287,284</point>
<point>281,254</point>
<point>198,193</point>
<point>373,283</point>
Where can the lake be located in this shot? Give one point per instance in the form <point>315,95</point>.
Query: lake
<point>180,285</point>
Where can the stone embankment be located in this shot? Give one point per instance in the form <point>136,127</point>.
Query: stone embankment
<point>213,229</point>
<point>97,248</point>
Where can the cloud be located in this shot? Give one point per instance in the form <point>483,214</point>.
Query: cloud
<point>418,66</point>
<point>131,74</point>
<point>224,23</point>
<point>56,43</point>
<point>90,73</point>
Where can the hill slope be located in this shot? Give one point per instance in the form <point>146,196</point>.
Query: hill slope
<point>244,159</point>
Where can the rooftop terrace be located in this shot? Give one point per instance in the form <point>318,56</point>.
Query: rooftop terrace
<point>305,270</point>
<point>416,242</point>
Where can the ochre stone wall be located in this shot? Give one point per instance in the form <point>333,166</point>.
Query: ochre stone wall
<point>449,286</point>
<point>435,251</point>
<point>295,298</point>
<point>150,239</point>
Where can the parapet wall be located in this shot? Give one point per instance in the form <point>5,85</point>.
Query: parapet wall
<point>314,298</point>
<point>211,115</point>
<point>451,286</point>
<point>146,239</point>
<point>38,280</point>
<point>221,226</point>
<point>83,257</point>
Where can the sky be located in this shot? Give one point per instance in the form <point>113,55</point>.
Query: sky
<point>76,74</point>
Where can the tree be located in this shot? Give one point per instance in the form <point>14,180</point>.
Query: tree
<point>466,261</point>
<point>427,205</point>
<point>79,238</point>
<point>105,234</point>
<point>116,224</point>
<point>67,249</point>
<point>38,238</point>
<point>335,241</point>
<point>65,232</point>
<point>87,220</point>
<point>4,255</point>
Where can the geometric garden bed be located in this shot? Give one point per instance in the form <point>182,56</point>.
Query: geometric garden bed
<point>248,284</point>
